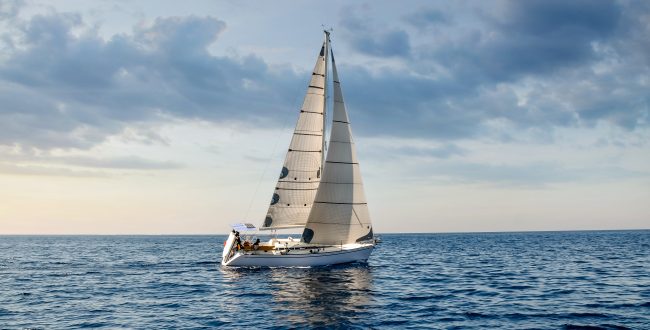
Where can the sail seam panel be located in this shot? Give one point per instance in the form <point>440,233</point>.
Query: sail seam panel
<point>310,134</point>
<point>337,223</point>
<point>278,188</point>
<point>349,203</point>
<point>313,181</point>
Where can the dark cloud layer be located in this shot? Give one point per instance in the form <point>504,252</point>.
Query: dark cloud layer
<point>71,89</point>
<point>367,38</point>
<point>568,57</point>
<point>62,85</point>
<point>539,37</point>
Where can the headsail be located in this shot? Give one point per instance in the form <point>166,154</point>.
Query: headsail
<point>340,213</point>
<point>300,176</point>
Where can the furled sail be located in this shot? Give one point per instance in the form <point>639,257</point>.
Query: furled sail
<point>340,213</point>
<point>301,173</point>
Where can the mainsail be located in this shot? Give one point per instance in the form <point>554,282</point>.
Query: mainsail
<point>340,212</point>
<point>301,173</point>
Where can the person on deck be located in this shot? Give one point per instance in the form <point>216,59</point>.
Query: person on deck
<point>237,241</point>
<point>256,245</point>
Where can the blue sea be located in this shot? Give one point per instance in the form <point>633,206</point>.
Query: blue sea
<point>536,280</point>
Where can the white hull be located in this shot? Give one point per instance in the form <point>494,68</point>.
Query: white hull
<point>297,257</point>
<point>360,254</point>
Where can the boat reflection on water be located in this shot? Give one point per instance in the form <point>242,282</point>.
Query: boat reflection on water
<point>323,296</point>
<point>314,297</point>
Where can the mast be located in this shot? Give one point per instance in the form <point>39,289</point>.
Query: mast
<point>327,51</point>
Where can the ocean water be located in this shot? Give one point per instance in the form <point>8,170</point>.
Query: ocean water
<point>542,280</point>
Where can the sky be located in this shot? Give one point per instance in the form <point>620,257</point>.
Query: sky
<point>169,117</point>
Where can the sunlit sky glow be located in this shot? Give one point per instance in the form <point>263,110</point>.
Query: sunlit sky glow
<point>168,117</point>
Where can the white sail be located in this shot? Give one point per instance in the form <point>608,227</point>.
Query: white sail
<point>340,212</point>
<point>294,193</point>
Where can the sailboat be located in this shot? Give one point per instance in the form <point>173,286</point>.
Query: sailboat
<point>322,194</point>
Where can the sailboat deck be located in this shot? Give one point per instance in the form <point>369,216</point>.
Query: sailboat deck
<point>284,247</point>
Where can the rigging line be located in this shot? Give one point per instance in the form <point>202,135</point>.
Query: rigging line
<point>274,150</point>
<point>355,214</point>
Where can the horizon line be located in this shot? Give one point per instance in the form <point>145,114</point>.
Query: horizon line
<point>380,233</point>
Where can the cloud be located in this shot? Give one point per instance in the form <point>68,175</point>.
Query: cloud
<point>542,36</point>
<point>71,88</point>
<point>125,162</point>
<point>535,174</point>
<point>524,38</point>
<point>535,64</point>
<point>373,40</point>
<point>18,169</point>
<point>428,18</point>
<point>426,168</point>
<point>414,149</point>
<point>85,166</point>
<point>432,74</point>
<point>9,9</point>
<point>20,161</point>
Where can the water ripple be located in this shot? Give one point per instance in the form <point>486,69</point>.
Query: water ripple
<point>563,280</point>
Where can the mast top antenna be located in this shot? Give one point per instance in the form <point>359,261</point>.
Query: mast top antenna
<point>327,30</point>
